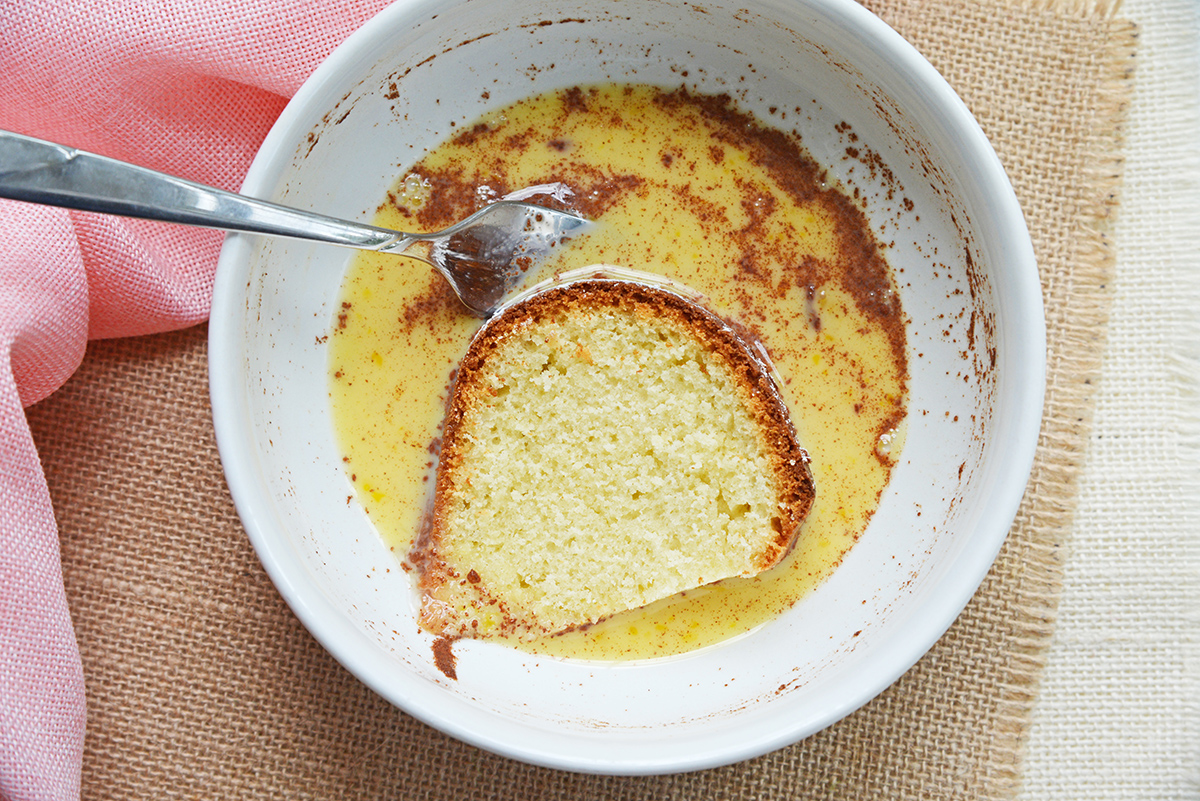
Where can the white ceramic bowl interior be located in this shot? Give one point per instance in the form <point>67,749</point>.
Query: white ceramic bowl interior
<point>968,283</point>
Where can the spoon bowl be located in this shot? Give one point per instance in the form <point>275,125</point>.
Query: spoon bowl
<point>484,256</point>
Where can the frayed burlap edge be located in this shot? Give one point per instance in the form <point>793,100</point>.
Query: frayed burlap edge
<point>1074,356</point>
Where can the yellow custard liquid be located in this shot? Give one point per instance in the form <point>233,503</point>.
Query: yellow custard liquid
<point>676,192</point>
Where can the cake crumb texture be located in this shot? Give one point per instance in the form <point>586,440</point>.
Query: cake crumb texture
<point>607,445</point>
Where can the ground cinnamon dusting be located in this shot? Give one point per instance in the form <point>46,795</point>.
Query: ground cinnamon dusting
<point>443,657</point>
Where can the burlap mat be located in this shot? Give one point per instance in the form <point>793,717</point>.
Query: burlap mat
<point>200,682</point>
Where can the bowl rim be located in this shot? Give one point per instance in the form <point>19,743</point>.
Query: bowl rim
<point>361,656</point>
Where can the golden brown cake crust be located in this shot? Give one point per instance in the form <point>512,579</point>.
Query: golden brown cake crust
<point>726,340</point>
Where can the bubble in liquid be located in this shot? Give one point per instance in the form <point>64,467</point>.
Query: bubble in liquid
<point>887,446</point>
<point>413,192</point>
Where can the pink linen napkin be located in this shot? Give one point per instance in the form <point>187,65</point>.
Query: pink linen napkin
<point>189,87</point>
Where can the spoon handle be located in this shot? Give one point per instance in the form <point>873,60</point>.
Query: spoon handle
<point>43,172</point>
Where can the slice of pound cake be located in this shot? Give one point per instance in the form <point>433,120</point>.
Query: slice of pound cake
<point>607,444</point>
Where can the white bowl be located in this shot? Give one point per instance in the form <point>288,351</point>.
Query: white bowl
<point>951,499</point>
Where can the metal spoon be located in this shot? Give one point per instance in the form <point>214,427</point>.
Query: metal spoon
<point>481,257</point>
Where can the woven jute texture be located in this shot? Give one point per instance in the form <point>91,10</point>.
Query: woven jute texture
<point>201,683</point>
